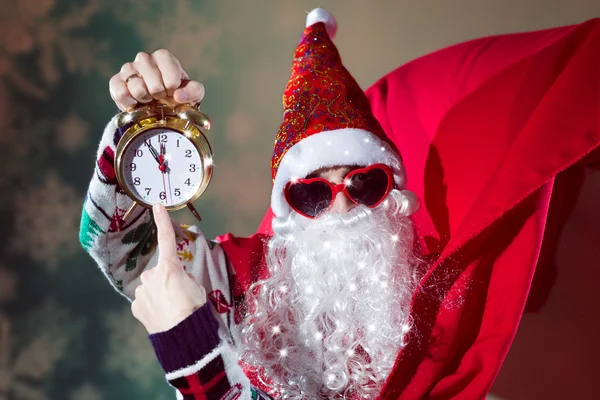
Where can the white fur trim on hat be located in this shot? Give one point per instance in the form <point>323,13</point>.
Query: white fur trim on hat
<point>338,147</point>
<point>322,15</point>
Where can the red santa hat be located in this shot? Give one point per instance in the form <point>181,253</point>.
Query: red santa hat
<point>327,119</point>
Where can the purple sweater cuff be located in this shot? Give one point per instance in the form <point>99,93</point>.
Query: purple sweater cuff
<point>187,342</point>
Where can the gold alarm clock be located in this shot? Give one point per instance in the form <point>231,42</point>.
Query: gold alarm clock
<point>163,156</point>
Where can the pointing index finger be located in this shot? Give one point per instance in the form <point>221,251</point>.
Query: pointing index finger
<point>167,248</point>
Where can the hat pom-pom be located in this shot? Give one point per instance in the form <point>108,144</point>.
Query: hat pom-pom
<point>322,15</point>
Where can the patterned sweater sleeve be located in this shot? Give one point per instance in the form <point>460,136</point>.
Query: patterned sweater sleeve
<point>123,249</point>
<point>200,365</point>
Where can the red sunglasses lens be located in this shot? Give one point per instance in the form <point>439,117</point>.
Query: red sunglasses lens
<point>310,199</point>
<point>370,187</point>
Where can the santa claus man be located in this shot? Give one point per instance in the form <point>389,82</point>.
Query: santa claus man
<point>331,311</point>
<point>325,303</point>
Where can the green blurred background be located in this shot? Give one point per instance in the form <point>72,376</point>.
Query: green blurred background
<point>64,333</point>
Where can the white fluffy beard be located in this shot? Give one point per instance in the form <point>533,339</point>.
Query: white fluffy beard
<point>330,320</point>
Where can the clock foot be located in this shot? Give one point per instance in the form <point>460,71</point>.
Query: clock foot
<point>193,210</point>
<point>131,209</point>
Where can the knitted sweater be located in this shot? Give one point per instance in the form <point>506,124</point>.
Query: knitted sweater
<point>200,348</point>
<point>196,362</point>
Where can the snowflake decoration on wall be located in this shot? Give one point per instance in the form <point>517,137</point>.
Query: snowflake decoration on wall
<point>72,133</point>
<point>177,27</point>
<point>32,27</point>
<point>28,358</point>
<point>47,221</point>
<point>29,149</point>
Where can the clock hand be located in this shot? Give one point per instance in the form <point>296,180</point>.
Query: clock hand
<point>161,159</point>
<point>164,185</point>
<point>153,152</point>
<point>164,168</point>
<point>169,182</point>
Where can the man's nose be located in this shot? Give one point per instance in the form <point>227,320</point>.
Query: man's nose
<point>342,204</point>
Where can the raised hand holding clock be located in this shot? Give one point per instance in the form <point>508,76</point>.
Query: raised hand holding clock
<point>156,76</point>
<point>161,110</point>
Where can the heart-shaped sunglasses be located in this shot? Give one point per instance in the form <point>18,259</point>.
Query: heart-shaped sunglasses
<point>313,197</point>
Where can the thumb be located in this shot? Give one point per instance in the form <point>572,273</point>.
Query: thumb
<point>189,92</point>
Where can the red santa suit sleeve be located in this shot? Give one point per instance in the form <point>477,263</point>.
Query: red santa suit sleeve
<point>483,127</point>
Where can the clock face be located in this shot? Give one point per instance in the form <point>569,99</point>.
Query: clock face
<point>162,166</point>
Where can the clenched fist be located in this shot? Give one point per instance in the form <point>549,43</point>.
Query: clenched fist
<point>167,294</point>
<point>156,76</point>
